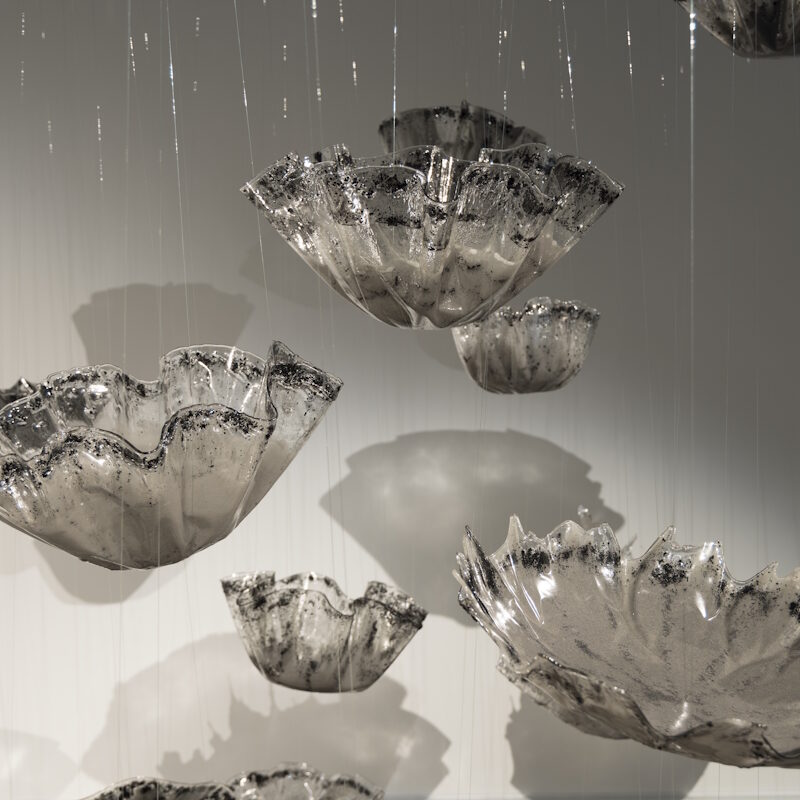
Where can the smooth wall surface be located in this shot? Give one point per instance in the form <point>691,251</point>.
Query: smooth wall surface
<point>124,136</point>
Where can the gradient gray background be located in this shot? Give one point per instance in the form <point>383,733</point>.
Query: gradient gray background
<point>678,417</point>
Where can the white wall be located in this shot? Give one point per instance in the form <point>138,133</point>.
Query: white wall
<point>106,675</point>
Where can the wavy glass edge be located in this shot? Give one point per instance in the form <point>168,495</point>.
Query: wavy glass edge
<point>280,363</point>
<point>339,214</point>
<point>738,25</point>
<point>282,367</point>
<point>253,597</point>
<point>339,156</point>
<point>250,785</point>
<point>595,706</point>
<point>527,364</point>
<point>263,582</point>
<point>473,126</point>
<point>22,388</point>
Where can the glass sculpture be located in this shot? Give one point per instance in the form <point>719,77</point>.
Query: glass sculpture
<point>300,782</point>
<point>285,782</point>
<point>305,633</point>
<point>537,349</point>
<point>418,239</point>
<point>21,388</point>
<point>460,131</point>
<point>159,789</point>
<point>751,28</point>
<point>128,474</point>
<point>666,649</point>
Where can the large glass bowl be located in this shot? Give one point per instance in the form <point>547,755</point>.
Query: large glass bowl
<point>667,649</point>
<point>131,474</point>
<point>419,239</point>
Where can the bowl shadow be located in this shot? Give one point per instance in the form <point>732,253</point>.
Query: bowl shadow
<point>242,722</point>
<point>406,501</point>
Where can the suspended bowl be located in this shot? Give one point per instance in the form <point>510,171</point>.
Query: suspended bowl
<point>132,474</point>
<point>160,789</point>
<point>460,131</point>
<point>751,28</point>
<point>305,633</point>
<point>300,782</point>
<point>537,349</point>
<point>285,782</point>
<point>419,239</point>
<point>666,649</point>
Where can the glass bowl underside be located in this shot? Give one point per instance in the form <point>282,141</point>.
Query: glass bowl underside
<point>305,633</point>
<point>538,349</point>
<point>460,131</point>
<point>751,28</point>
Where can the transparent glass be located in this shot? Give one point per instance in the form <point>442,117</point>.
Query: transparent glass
<point>537,349</point>
<point>751,27</point>
<point>460,131</point>
<point>667,649</point>
<point>135,475</point>
<point>22,388</point>
<point>422,240</point>
<point>305,633</point>
<point>284,782</point>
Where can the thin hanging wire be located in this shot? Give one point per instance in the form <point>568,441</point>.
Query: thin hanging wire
<point>252,166</point>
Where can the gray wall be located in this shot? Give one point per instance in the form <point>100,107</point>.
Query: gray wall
<point>682,415</point>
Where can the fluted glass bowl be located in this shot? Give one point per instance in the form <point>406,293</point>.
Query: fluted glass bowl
<point>132,474</point>
<point>751,28</point>
<point>460,131</point>
<point>418,239</point>
<point>285,782</point>
<point>667,649</point>
<point>537,349</point>
<point>305,633</point>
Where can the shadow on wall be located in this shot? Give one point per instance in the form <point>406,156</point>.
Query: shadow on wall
<point>70,578</point>
<point>211,688</point>
<point>601,767</point>
<point>133,326</point>
<point>32,765</point>
<point>287,275</point>
<point>439,346</point>
<point>407,501</point>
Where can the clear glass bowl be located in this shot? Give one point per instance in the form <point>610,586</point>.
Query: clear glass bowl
<point>422,240</point>
<point>132,474</point>
<point>460,131</point>
<point>305,633</point>
<point>666,649</point>
<point>285,782</point>
<point>751,28</point>
<point>537,349</point>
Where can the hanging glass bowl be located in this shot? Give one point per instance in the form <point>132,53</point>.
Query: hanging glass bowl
<point>285,782</point>
<point>537,349</point>
<point>305,633</point>
<point>667,649</point>
<point>300,782</point>
<point>418,239</point>
<point>128,474</point>
<point>751,28</point>
<point>21,388</point>
<point>159,789</point>
<point>460,131</point>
